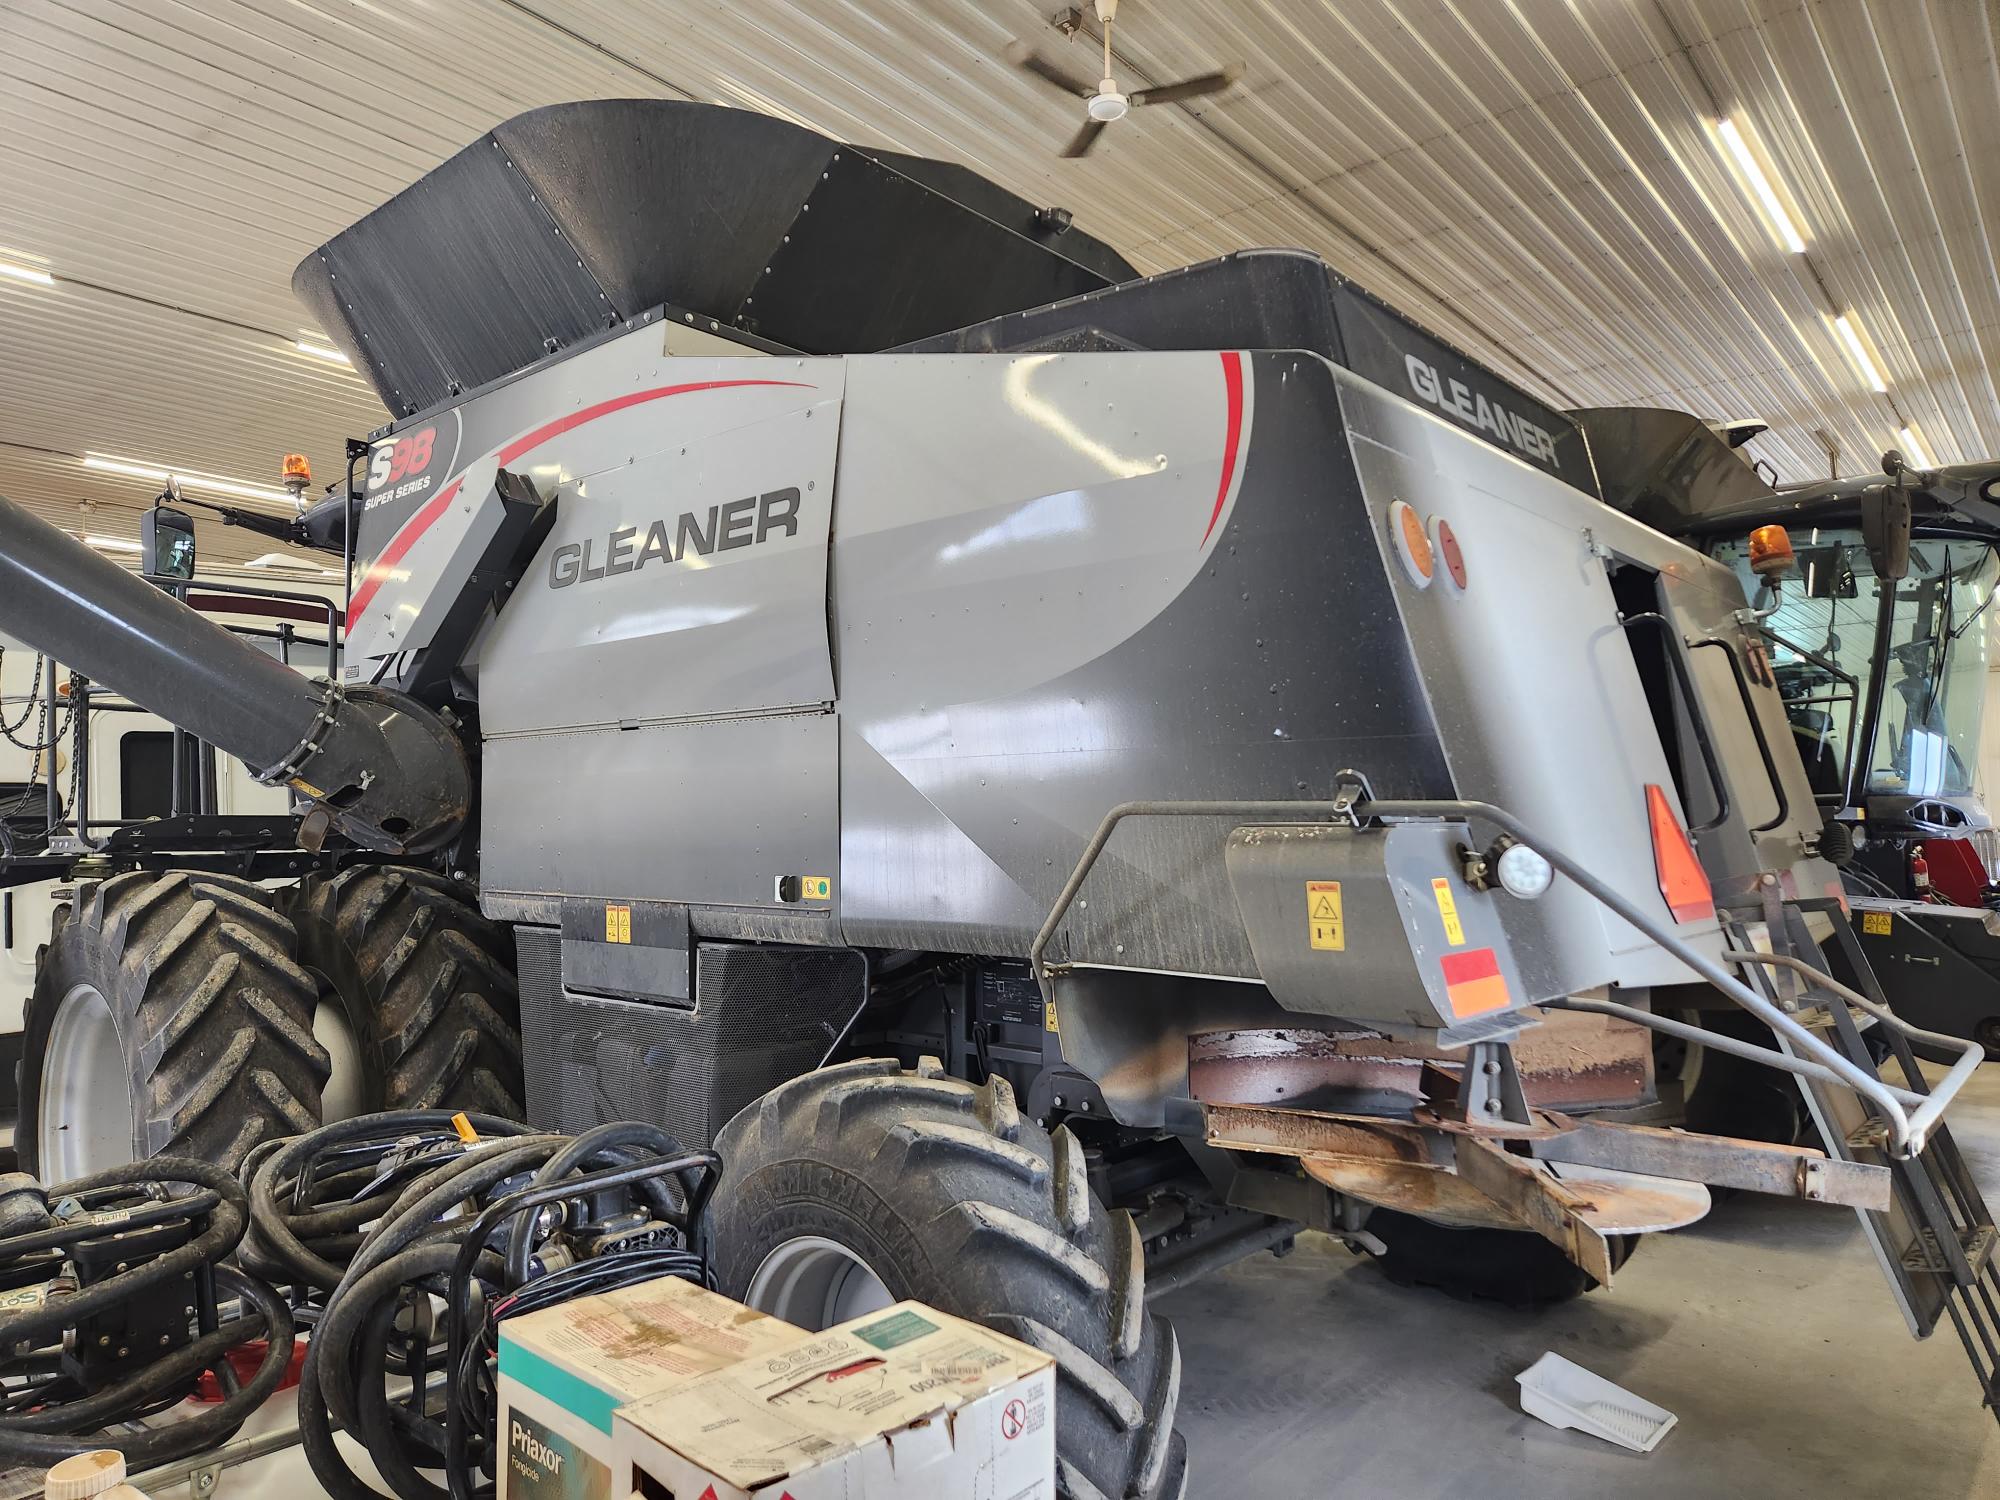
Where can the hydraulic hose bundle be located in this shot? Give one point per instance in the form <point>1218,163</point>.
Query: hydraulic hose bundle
<point>116,1302</point>
<point>423,1231</point>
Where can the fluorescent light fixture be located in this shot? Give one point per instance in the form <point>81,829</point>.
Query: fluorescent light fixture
<point>1850,335</point>
<point>321,351</point>
<point>1750,172</point>
<point>15,271</point>
<point>111,544</point>
<point>213,483</point>
<point>1913,448</point>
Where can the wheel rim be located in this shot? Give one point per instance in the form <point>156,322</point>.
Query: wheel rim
<point>84,1116</point>
<point>343,1097</point>
<point>814,1283</point>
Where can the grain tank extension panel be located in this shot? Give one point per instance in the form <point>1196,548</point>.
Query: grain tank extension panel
<point>568,220</point>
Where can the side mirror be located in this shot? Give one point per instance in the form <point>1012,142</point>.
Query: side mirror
<point>1885,527</point>
<point>166,542</point>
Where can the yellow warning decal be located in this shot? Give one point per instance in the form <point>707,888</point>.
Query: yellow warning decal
<point>617,924</point>
<point>1325,924</point>
<point>1454,930</point>
<point>1877,923</point>
<point>815,888</point>
<point>1049,1018</point>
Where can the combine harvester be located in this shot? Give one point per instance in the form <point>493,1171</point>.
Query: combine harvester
<point>1065,778</point>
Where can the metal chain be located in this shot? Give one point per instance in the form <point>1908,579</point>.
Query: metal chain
<point>40,748</point>
<point>11,731</point>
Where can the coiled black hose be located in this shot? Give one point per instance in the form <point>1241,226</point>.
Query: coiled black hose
<point>306,1209</point>
<point>49,1410</point>
<point>384,1212</point>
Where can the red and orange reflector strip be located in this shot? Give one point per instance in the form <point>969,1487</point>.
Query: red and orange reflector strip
<point>1683,882</point>
<point>1473,983</point>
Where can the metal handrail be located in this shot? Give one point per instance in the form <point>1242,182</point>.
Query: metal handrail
<point>1674,650</point>
<point>1905,1140</point>
<point>1756,731</point>
<point>1971,1054</point>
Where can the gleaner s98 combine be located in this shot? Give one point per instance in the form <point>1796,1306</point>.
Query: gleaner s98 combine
<point>1065,777</point>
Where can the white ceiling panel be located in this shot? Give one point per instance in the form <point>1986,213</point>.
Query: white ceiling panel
<point>1535,179</point>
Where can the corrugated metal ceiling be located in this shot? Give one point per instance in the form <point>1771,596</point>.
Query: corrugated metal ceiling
<point>1535,178</point>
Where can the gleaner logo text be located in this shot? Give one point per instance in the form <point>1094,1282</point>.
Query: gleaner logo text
<point>739,523</point>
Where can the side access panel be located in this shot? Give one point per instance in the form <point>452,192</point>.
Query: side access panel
<point>656,696</point>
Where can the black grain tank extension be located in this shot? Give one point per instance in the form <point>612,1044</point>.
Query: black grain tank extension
<point>567,220</point>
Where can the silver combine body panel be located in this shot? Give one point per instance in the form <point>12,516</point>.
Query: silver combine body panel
<point>911,624</point>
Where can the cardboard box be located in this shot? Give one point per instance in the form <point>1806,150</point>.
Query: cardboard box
<point>566,1369</point>
<point>905,1404</point>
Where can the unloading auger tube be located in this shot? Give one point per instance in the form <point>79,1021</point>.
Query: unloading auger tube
<point>1908,1114</point>
<point>390,774</point>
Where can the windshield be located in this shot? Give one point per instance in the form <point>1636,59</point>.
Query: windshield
<point>1928,744</point>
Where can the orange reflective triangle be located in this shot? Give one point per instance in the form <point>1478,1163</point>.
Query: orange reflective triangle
<point>1683,882</point>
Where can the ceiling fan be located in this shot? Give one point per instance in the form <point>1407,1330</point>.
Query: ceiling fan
<point>1104,101</point>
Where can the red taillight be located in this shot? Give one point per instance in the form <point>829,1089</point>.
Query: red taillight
<point>1683,882</point>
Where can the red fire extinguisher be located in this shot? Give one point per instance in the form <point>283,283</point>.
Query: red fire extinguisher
<point>1920,873</point>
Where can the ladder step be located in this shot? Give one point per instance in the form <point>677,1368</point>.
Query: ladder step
<point>1976,1243</point>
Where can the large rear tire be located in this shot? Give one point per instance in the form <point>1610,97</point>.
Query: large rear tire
<point>428,986</point>
<point>864,1184</point>
<point>170,1016</point>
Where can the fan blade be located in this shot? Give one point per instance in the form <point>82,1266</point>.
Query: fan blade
<point>1021,55</point>
<point>1084,139</point>
<point>1188,88</point>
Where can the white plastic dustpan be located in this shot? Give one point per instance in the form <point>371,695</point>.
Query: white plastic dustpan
<point>1564,1394</point>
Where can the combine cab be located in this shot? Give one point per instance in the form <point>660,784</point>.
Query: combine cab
<point>1065,779</point>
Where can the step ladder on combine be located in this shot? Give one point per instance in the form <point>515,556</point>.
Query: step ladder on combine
<point>1935,1243</point>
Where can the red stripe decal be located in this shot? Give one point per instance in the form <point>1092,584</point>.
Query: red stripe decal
<point>408,533</point>
<point>1232,385</point>
<point>576,419</point>
<point>1464,968</point>
<point>399,545</point>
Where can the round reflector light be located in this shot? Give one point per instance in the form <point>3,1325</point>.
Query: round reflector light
<point>1412,545</point>
<point>1454,560</point>
<point>1523,873</point>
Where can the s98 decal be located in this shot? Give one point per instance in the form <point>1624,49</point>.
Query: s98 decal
<point>413,464</point>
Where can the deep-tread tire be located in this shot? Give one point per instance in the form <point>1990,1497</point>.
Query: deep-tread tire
<point>428,985</point>
<point>1736,1097</point>
<point>1509,1266</point>
<point>212,1010</point>
<point>954,1200</point>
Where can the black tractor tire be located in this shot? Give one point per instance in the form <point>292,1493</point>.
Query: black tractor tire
<point>1734,1096</point>
<point>212,1012</point>
<point>1510,1266</point>
<point>954,1200</point>
<point>427,983</point>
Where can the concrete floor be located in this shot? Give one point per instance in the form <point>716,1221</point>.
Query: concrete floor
<point>1766,1327</point>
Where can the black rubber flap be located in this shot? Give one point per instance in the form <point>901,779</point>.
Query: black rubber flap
<point>568,219</point>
